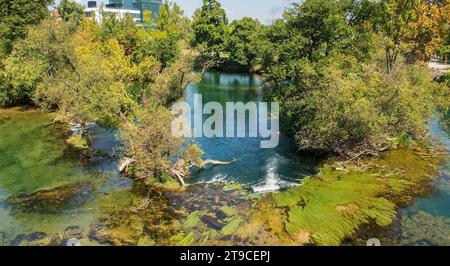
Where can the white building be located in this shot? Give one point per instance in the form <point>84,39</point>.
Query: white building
<point>97,12</point>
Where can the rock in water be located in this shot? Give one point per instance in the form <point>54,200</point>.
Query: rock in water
<point>212,222</point>
<point>53,199</point>
<point>33,239</point>
<point>73,232</point>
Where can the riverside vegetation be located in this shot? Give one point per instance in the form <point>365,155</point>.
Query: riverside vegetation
<point>350,76</point>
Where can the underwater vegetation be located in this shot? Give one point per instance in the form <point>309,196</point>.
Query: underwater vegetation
<point>333,205</point>
<point>425,229</point>
<point>57,198</point>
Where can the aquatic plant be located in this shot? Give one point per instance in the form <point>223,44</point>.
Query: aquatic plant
<point>334,204</point>
<point>191,221</point>
<point>425,229</point>
<point>183,239</point>
<point>78,142</point>
<point>231,226</point>
<point>52,199</point>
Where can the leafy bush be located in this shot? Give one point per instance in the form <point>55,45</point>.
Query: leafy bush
<point>342,106</point>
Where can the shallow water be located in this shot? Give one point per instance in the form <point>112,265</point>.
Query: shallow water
<point>261,170</point>
<point>427,220</point>
<point>34,156</point>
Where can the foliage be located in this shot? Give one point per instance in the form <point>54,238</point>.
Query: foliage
<point>335,93</point>
<point>69,10</point>
<point>411,27</point>
<point>243,45</point>
<point>44,51</point>
<point>444,48</point>
<point>332,207</point>
<point>149,141</point>
<point>335,108</point>
<point>78,142</point>
<point>333,204</point>
<point>210,27</point>
<point>425,31</point>
<point>15,17</point>
<point>89,92</point>
<point>116,74</point>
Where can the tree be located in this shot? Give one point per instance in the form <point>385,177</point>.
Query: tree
<point>322,26</point>
<point>244,42</point>
<point>150,143</point>
<point>15,17</point>
<point>87,91</point>
<point>210,28</point>
<point>335,98</point>
<point>426,30</point>
<point>69,10</point>
<point>444,48</point>
<point>395,16</point>
<point>43,52</point>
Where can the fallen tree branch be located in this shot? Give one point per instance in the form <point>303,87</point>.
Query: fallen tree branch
<point>213,162</point>
<point>122,167</point>
<point>178,175</point>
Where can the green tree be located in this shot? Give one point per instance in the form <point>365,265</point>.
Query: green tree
<point>44,51</point>
<point>87,91</point>
<point>210,28</point>
<point>394,16</point>
<point>321,26</point>
<point>244,42</point>
<point>15,17</point>
<point>337,98</point>
<point>69,10</point>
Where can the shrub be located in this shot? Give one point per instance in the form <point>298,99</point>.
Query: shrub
<point>341,106</point>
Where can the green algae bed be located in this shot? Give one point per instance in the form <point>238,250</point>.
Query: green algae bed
<point>42,182</point>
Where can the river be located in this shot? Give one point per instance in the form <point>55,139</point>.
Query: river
<point>34,156</point>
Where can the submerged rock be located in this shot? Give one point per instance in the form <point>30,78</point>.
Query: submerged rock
<point>73,232</point>
<point>212,222</point>
<point>33,239</point>
<point>53,199</point>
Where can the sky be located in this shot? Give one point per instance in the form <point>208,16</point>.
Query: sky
<point>265,10</point>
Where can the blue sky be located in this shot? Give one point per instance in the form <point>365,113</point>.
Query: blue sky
<point>265,10</point>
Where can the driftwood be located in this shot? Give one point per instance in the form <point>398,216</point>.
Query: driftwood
<point>178,171</point>
<point>179,175</point>
<point>213,162</point>
<point>123,166</point>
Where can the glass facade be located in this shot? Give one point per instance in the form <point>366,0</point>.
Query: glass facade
<point>152,5</point>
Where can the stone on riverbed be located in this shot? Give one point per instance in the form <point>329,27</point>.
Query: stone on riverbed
<point>212,222</point>
<point>73,232</point>
<point>53,199</point>
<point>33,239</point>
